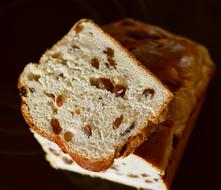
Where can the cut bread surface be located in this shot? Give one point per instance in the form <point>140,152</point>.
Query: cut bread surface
<point>90,96</point>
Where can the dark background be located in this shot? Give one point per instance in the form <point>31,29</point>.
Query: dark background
<point>28,28</point>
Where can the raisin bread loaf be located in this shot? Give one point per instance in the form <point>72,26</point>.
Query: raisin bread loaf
<point>186,68</point>
<point>91,97</point>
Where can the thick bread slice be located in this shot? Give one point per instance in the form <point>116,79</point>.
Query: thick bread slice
<point>91,97</point>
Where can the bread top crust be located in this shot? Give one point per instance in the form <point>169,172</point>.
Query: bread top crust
<point>182,65</point>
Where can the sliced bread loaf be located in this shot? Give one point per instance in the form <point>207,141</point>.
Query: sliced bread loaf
<point>91,97</point>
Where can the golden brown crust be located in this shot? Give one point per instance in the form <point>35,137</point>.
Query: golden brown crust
<point>88,163</point>
<point>177,153</point>
<point>207,72</point>
<point>186,68</point>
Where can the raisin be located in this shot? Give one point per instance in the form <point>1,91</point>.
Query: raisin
<point>87,130</point>
<point>119,90</point>
<point>79,28</point>
<point>128,130</point>
<point>111,61</point>
<point>109,51</point>
<point>117,122</point>
<point>103,83</point>
<point>59,100</point>
<point>78,111</point>
<point>110,55</point>
<point>95,63</point>
<point>149,92</point>
<point>56,128</point>
<point>68,136</point>
<point>22,91</point>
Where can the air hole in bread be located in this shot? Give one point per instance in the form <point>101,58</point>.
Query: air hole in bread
<point>91,34</point>
<point>32,90</point>
<point>54,109</point>
<point>123,149</point>
<point>63,61</point>
<point>61,75</point>
<point>149,92</point>
<point>32,76</point>
<point>75,47</point>
<point>107,65</point>
<point>156,179</point>
<point>129,129</point>
<point>55,55</point>
<point>50,95</point>
<point>56,128</point>
<point>117,122</point>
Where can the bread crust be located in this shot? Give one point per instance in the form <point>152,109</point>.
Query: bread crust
<point>158,54</point>
<point>135,140</point>
<point>208,71</point>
